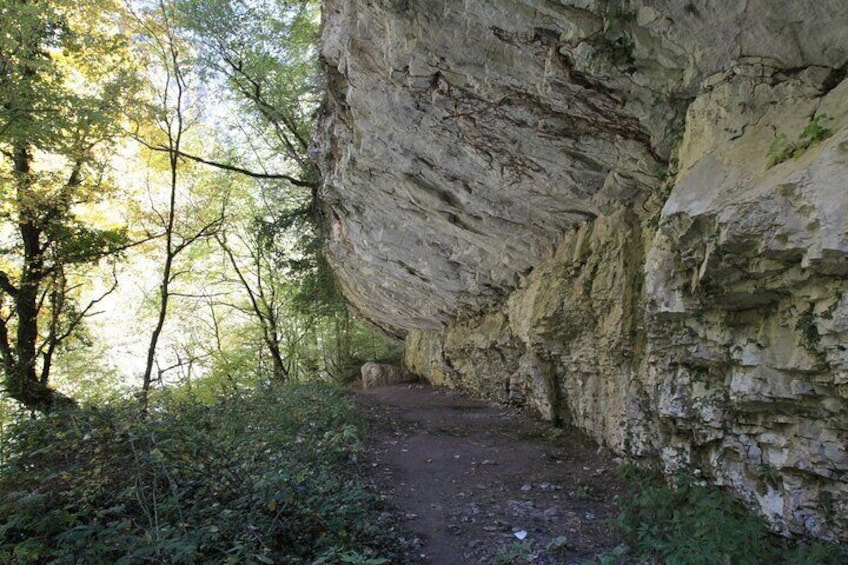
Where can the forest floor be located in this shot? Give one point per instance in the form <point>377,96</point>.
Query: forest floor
<point>473,482</point>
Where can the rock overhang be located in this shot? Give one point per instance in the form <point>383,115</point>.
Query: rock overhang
<point>453,166</point>
<point>595,208</point>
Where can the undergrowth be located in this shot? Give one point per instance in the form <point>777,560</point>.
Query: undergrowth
<point>261,477</point>
<point>695,524</point>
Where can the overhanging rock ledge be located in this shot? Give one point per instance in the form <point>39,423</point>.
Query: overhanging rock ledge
<point>629,215</point>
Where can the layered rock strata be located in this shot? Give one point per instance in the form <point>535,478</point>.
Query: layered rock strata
<point>628,215</point>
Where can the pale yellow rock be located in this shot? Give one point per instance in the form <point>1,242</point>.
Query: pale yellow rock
<point>383,374</point>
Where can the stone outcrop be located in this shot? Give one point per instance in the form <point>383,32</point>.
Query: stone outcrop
<point>628,215</point>
<point>382,374</point>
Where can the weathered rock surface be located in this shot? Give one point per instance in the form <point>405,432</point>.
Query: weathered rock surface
<point>629,215</point>
<point>382,374</point>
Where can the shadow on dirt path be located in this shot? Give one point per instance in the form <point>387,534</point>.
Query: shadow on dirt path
<point>468,477</point>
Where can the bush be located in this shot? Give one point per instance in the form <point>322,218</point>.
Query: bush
<point>261,477</point>
<point>695,524</point>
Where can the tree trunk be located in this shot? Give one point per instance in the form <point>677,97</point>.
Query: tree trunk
<point>174,129</point>
<point>24,383</point>
<point>26,302</point>
<point>280,371</point>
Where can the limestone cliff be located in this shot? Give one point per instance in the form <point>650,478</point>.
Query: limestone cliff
<point>630,215</point>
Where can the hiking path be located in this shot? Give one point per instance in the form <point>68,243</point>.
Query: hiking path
<point>475,482</point>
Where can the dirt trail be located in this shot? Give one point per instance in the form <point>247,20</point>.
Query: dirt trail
<point>466,476</point>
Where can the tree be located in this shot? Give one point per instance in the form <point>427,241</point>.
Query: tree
<point>65,76</point>
<point>258,280</point>
<point>268,62</point>
<point>169,110</point>
<point>261,267</point>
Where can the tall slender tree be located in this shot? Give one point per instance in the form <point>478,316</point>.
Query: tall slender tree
<point>170,111</point>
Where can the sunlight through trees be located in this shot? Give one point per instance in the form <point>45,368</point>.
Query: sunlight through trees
<point>66,74</point>
<point>158,214</point>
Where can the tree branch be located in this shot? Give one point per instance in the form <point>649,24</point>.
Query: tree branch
<point>87,311</point>
<point>198,296</point>
<point>7,286</point>
<point>232,168</point>
<point>253,91</point>
<point>207,231</point>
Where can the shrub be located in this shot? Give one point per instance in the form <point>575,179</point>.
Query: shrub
<point>695,524</point>
<point>260,477</point>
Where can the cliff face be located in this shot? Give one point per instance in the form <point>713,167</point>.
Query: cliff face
<point>629,215</point>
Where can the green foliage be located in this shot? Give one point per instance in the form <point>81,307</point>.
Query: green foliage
<point>338,555</point>
<point>269,62</point>
<point>613,556</point>
<point>781,149</point>
<point>77,243</point>
<point>558,546</point>
<point>815,131</point>
<point>819,552</point>
<point>268,67</point>
<point>526,551</point>
<point>695,524</point>
<point>254,477</point>
<point>519,552</point>
<point>583,492</point>
<point>66,75</point>
<point>47,49</point>
<point>690,524</point>
<point>767,477</point>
